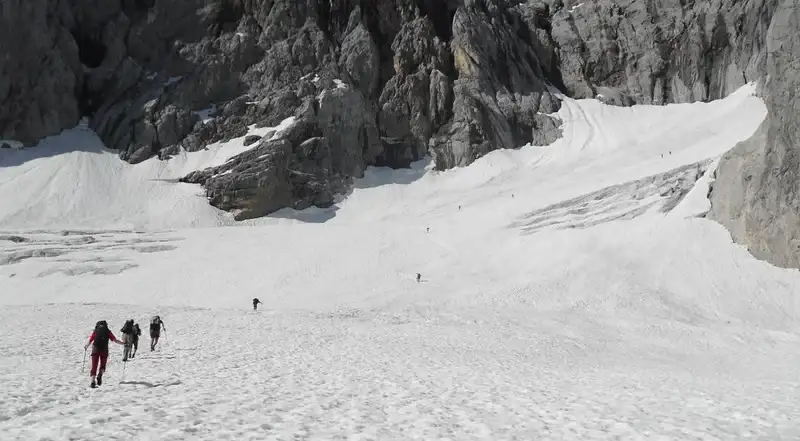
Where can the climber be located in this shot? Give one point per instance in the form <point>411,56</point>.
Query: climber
<point>99,341</point>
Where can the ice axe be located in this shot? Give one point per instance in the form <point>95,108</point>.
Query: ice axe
<point>83,366</point>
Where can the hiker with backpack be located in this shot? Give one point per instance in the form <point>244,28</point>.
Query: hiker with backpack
<point>128,335</point>
<point>99,341</point>
<point>137,331</point>
<point>255,304</point>
<point>155,331</point>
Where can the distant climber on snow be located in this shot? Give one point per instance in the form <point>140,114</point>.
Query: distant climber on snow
<point>419,277</point>
<point>255,304</point>
<point>155,331</point>
<point>99,341</point>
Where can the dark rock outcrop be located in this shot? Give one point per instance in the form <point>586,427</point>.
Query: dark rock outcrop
<point>308,164</point>
<point>251,139</point>
<point>40,72</point>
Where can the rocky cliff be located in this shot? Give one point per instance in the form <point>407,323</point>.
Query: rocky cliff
<point>370,82</point>
<point>757,190</point>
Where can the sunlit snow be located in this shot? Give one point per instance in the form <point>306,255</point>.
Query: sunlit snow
<point>567,292</point>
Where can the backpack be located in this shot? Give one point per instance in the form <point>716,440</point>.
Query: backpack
<point>155,325</point>
<point>138,331</point>
<point>101,336</point>
<point>127,328</point>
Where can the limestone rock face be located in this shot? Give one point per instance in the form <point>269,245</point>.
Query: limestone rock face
<point>660,52</point>
<point>383,83</point>
<point>308,164</point>
<point>387,82</point>
<point>757,190</point>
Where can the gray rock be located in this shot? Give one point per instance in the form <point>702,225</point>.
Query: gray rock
<point>172,124</point>
<point>360,57</point>
<point>40,71</point>
<point>312,161</point>
<point>500,89</point>
<point>546,130</point>
<point>756,194</point>
<point>404,109</point>
<point>251,139</point>
<point>418,99</point>
<point>399,152</point>
<point>143,67</point>
<point>440,99</point>
<point>252,184</point>
<point>613,96</point>
<point>344,119</point>
<point>660,52</point>
<point>455,79</point>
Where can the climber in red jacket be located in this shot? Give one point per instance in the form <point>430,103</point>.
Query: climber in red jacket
<point>100,337</point>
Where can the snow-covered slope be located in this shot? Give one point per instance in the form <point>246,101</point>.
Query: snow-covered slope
<point>568,292</point>
<point>73,181</point>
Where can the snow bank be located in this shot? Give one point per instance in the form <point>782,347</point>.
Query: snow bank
<point>77,182</point>
<point>73,181</point>
<point>602,146</point>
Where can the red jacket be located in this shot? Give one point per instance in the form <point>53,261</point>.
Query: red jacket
<point>95,349</point>
<point>110,336</point>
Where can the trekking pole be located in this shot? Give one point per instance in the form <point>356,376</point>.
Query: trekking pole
<point>124,365</point>
<point>83,366</point>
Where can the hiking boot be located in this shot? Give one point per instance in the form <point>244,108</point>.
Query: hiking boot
<point>93,385</point>
<point>100,379</point>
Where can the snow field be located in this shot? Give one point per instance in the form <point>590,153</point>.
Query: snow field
<point>576,294</point>
<point>73,181</point>
<point>358,375</point>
